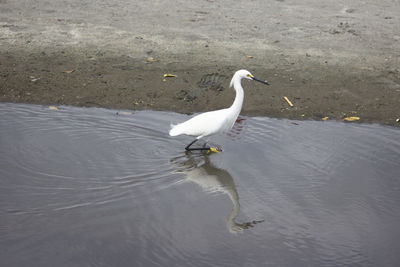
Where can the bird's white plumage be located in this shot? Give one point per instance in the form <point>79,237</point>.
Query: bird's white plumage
<point>204,124</point>
<point>216,121</point>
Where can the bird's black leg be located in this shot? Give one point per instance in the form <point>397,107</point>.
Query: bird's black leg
<point>199,148</point>
<point>188,146</point>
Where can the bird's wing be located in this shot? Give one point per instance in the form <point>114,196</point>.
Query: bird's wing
<point>204,124</point>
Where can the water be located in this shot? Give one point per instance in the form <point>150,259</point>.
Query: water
<point>90,187</point>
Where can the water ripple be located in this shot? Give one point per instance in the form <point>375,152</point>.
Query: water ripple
<point>96,186</point>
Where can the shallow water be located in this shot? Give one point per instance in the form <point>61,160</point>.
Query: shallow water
<point>93,187</point>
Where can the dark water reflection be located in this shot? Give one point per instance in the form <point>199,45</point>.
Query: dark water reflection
<point>199,170</point>
<point>88,187</point>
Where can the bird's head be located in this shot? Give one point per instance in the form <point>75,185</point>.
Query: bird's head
<point>240,74</point>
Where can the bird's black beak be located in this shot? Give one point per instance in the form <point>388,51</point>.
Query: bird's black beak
<point>261,81</point>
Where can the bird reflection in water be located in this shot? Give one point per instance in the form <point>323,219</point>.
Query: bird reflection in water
<point>199,170</point>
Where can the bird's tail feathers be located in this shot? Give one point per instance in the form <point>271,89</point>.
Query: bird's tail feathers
<point>174,130</point>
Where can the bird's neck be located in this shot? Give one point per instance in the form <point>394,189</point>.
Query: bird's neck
<point>237,104</point>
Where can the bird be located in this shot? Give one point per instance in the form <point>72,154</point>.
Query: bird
<point>217,121</point>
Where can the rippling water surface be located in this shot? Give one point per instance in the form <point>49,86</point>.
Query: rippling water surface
<point>97,187</point>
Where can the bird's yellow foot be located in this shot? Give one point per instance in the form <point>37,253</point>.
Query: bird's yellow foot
<point>215,150</point>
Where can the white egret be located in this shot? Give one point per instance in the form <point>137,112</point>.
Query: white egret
<point>213,122</point>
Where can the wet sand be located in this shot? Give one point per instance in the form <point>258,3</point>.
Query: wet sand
<point>330,59</point>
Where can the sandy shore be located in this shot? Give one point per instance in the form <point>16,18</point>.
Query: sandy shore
<point>331,59</point>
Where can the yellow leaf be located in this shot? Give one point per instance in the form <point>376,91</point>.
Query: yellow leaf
<point>53,108</point>
<point>288,101</point>
<point>68,71</point>
<point>325,118</point>
<point>170,75</point>
<point>351,118</point>
<point>249,56</point>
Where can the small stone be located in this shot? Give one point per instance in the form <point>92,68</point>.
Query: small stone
<point>180,94</point>
<point>151,60</point>
<point>190,96</point>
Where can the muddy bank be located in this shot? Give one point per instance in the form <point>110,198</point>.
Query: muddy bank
<point>341,62</point>
<point>316,90</point>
